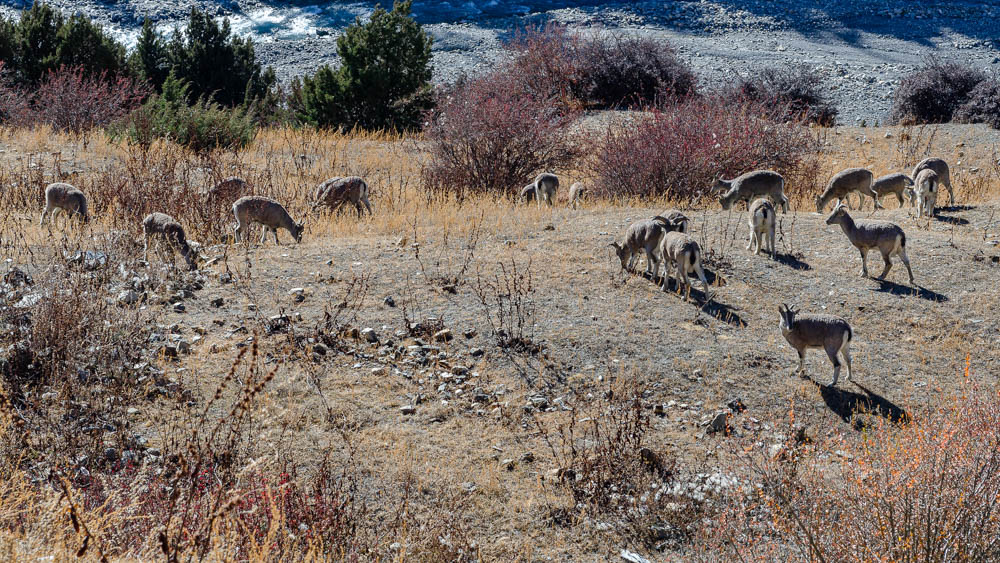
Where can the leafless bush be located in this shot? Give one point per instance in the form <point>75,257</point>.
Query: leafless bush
<point>934,93</point>
<point>448,267</point>
<point>611,471</point>
<point>679,150</point>
<point>72,360</point>
<point>14,103</point>
<point>924,490</point>
<point>983,105</point>
<point>602,71</point>
<point>913,144</point>
<point>796,92</point>
<point>72,100</point>
<point>507,298</point>
<point>491,136</point>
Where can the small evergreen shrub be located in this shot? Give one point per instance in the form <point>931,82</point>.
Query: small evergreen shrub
<point>201,126</point>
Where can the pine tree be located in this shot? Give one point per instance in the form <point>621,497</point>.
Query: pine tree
<point>149,60</point>
<point>384,78</point>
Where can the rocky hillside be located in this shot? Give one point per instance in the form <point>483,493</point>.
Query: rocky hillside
<point>863,48</point>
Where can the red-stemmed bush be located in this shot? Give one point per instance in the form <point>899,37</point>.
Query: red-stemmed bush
<point>677,151</point>
<point>70,100</point>
<point>490,135</point>
<point>13,100</point>
<point>922,488</point>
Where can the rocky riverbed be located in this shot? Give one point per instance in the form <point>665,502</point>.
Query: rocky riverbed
<point>862,48</point>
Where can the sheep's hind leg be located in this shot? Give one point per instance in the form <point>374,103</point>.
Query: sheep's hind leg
<point>888,265</point>
<point>832,353</point>
<point>906,262</point>
<point>845,350</point>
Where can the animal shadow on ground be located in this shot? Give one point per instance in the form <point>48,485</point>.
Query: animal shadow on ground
<point>792,262</point>
<point>715,309</point>
<point>886,286</point>
<point>846,404</point>
<point>951,220</point>
<point>951,208</point>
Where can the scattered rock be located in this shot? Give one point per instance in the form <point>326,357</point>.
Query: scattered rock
<point>470,333</point>
<point>128,297</point>
<point>278,323</point>
<point>408,409</point>
<point>443,335</point>
<point>476,352</point>
<point>225,277</point>
<point>89,259</point>
<point>369,335</point>
<point>507,464</point>
<point>217,302</point>
<point>632,557</point>
<point>389,301</point>
<point>16,277</point>
<point>736,405</point>
<point>720,423</point>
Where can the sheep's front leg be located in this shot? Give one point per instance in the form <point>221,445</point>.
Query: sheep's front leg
<point>864,262</point>
<point>650,262</point>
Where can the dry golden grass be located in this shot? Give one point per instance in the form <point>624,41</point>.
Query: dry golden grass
<point>442,466</point>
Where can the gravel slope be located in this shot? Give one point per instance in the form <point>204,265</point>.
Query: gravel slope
<point>862,48</point>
